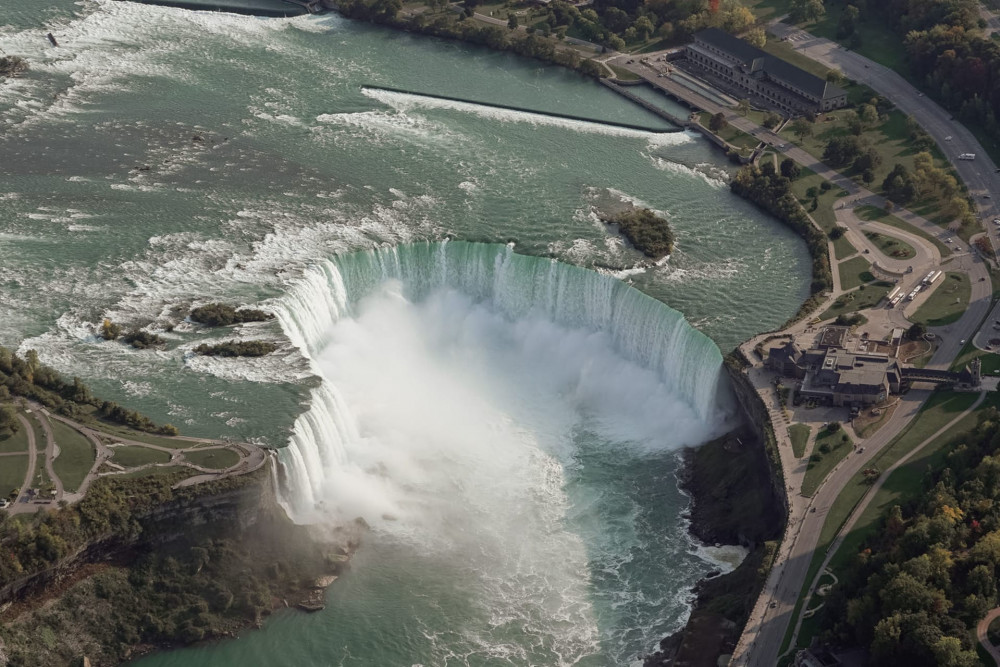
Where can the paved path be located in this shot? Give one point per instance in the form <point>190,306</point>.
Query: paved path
<point>51,451</point>
<point>869,496</point>
<point>979,174</point>
<point>251,458</point>
<point>32,456</point>
<point>981,631</point>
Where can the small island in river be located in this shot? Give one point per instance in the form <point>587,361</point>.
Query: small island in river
<point>648,233</point>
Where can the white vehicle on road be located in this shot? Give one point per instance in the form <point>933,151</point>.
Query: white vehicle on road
<point>967,156</point>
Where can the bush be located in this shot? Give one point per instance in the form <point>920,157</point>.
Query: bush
<point>222,315</point>
<point>232,348</point>
<point>717,123</point>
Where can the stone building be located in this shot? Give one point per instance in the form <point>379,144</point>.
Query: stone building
<point>757,73</point>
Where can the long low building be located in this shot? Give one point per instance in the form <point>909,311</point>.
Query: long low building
<point>758,73</point>
<point>838,377</point>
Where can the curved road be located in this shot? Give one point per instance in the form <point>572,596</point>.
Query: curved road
<point>981,634</point>
<point>32,457</point>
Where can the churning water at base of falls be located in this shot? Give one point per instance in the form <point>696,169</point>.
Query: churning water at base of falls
<point>161,158</point>
<point>505,425</point>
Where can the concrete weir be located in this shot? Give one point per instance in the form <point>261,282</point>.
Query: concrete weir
<point>270,8</point>
<point>584,119</point>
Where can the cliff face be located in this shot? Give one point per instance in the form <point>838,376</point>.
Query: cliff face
<point>241,506</point>
<point>202,563</point>
<point>738,497</point>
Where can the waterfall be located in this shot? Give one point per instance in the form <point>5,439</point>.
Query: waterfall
<point>643,330</point>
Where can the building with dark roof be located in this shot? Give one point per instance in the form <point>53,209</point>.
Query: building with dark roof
<point>758,73</point>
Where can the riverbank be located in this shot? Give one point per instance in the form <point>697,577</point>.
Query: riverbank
<point>736,500</point>
<point>172,567</point>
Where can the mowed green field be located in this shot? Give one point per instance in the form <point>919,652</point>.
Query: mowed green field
<point>76,455</point>
<point>212,458</point>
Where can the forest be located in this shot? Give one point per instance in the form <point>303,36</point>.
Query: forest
<point>947,52</point>
<point>916,590</point>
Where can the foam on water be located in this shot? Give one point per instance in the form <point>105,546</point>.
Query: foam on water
<point>405,101</point>
<point>464,390</point>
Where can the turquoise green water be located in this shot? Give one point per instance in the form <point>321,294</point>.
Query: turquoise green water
<point>161,158</point>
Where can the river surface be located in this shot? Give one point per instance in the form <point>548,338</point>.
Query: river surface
<point>507,424</point>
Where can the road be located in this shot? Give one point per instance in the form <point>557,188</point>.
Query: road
<point>980,175</point>
<point>870,495</point>
<point>981,634</point>
<point>32,457</point>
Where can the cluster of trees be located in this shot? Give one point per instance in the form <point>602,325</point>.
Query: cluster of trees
<point>29,378</point>
<point>614,24</point>
<point>208,583</point>
<point>141,340</point>
<point>137,338</point>
<point>234,348</point>
<point>532,44</point>
<point>646,231</point>
<point>222,315</point>
<point>916,590</point>
<point>773,192</point>
<point>946,51</point>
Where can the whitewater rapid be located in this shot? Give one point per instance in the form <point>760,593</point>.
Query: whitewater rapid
<point>609,345</point>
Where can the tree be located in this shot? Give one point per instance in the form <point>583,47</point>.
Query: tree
<point>743,107</point>
<point>757,37</point>
<point>848,22</point>
<point>789,169</point>
<point>8,419</point>
<point>802,128</point>
<point>836,78</point>
<point>916,331</point>
<point>512,22</point>
<point>807,10</point>
<point>717,123</point>
<point>771,120</point>
<point>643,27</point>
<point>868,115</point>
<point>842,150</point>
<point>899,185</point>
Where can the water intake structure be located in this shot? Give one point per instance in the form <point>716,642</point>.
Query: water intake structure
<point>507,425</point>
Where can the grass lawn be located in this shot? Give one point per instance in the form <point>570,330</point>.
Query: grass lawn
<point>161,470</point>
<point>76,455</point>
<point>623,74</point>
<point>732,135</point>
<point>905,482</point>
<point>939,409</point>
<point>836,449</point>
<point>854,273</point>
<point>117,431</point>
<point>891,246</point>
<point>799,434</point>
<point>12,472</point>
<point>890,139</point>
<point>842,247</point>
<point>132,456</point>
<point>947,303</point>
<point>874,213</point>
<point>823,215</point>
<point>873,39</point>
<point>212,458</point>
<point>14,442</point>
<point>857,300</point>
